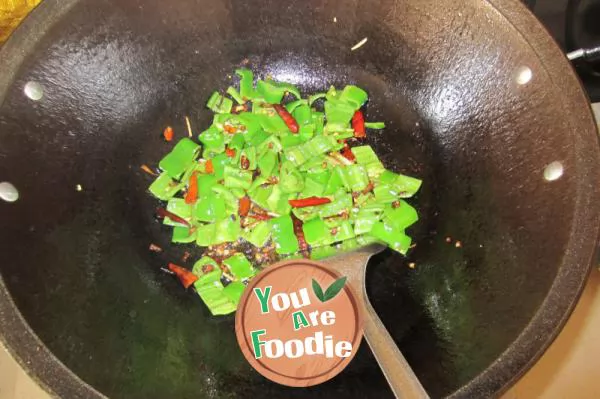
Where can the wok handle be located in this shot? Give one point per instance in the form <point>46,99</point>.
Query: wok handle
<point>395,368</point>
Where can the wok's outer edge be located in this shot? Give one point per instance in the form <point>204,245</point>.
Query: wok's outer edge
<point>582,247</point>
<point>15,334</point>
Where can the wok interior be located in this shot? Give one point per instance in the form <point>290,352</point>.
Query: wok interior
<point>116,72</point>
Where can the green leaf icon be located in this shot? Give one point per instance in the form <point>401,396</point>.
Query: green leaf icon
<point>318,290</point>
<point>334,288</point>
<point>331,292</point>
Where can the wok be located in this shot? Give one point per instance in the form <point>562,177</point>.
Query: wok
<point>478,101</point>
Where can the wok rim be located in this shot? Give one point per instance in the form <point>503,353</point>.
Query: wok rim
<point>58,380</point>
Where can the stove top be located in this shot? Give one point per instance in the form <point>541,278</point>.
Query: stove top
<point>574,24</point>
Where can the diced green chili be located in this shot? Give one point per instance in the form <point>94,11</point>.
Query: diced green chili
<point>278,201</point>
<point>246,83</point>
<point>316,233</point>
<point>232,91</point>
<point>178,207</point>
<point>400,217</point>
<point>164,187</point>
<point>315,97</point>
<point>290,179</point>
<point>239,266</point>
<point>206,278</point>
<point>291,106</point>
<point>227,230</point>
<point>234,291</point>
<point>273,92</point>
<point>259,234</point>
<point>235,177</point>
<point>375,125</point>
<point>353,95</point>
<point>210,207</point>
<point>180,158</point>
<point>183,234</point>
<point>219,104</point>
<point>205,235</point>
<point>284,238</point>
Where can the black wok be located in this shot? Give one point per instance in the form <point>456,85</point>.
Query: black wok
<point>83,304</point>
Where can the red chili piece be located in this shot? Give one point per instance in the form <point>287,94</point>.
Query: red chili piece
<point>163,213</point>
<point>358,124</point>
<point>209,168</point>
<point>310,201</point>
<point>287,118</point>
<point>348,154</point>
<point>244,206</point>
<point>168,133</point>
<point>192,193</point>
<point>230,152</point>
<point>186,277</point>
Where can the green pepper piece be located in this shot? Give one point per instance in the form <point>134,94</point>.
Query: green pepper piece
<point>205,235</point>
<point>179,208</point>
<point>227,230</point>
<point>267,163</point>
<point>238,192</point>
<point>341,203</point>
<point>385,193</point>
<point>306,132</point>
<point>284,238</point>
<point>180,158</point>
<point>312,188</point>
<point>321,144</point>
<point>278,201</point>
<point>237,141</point>
<point>320,176</point>
<point>365,220</point>
<point>334,183</point>
<point>316,233</point>
<point>375,125</point>
<point>231,201</point>
<point>354,95</point>
<point>303,115</point>
<point>206,278</point>
<point>240,267</point>
<point>259,234</point>
<point>407,186</point>
<point>234,291</point>
<point>273,92</point>
<point>297,155</point>
<point>356,177</point>
<point>273,124</point>
<point>219,104</point>
<point>364,154</point>
<point>210,208</point>
<point>206,183</point>
<point>291,140</point>
<point>343,231</point>
<point>291,106</point>
<point>164,187</point>
<point>401,217</point>
<point>318,119</point>
<point>332,94</point>
<point>323,252</point>
<point>387,177</point>
<point>246,83</point>
<point>271,143</point>
<point>235,95</point>
<point>338,112</point>
<point>235,177</point>
<point>182,234</point>
<point>252,123</point>
<point>260,196</point>
<point>307,213</point>
<point>219,162</point>
<point>212,139</point>
<point>291,180</point>
<point>395,238</point>
<point>215,300</point>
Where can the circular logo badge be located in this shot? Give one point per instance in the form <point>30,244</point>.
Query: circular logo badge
<point>298,323</point>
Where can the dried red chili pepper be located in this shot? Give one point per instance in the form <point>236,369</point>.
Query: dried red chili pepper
<point>287,118</point>
<point>230,152</point>
<point>168,133</point>
<point>209,168</point>
<point>299,233</point>
<point>259,216</point>
<point>310,201</point>
<point>244,162</point>
<point>358,124</point>
<point>192,193</point>
<point>186,277</point>
<point>244,206</point>
<point>348,154</point>
<point>163,213</point>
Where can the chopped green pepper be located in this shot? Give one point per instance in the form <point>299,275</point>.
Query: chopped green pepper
<point>164,187</point>
<point>239,266</point>
<point>283,235</point>
<point>219,104</point>
<point>180,158</point>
